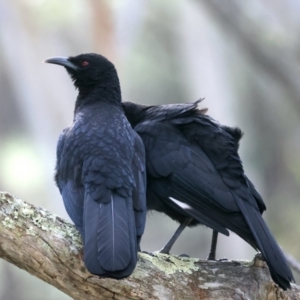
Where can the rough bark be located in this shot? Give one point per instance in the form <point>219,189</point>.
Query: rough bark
<point>50,248</point>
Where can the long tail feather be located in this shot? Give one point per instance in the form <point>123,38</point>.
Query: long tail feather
<point>266,243</point>
<point>110,239</point>
<point>113,235</point>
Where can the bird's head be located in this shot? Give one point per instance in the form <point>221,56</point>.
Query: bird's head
<point>86,70</point>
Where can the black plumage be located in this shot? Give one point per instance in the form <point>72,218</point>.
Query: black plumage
<point>195,175</point>
<point>100,169</point>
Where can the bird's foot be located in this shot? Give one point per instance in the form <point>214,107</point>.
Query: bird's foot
<point>259,256</point>
<point>259,260</point>
<point>164,251</point>
<point>213,258</point>
<point>184,255</point>
<point>146,252</point>
<point>222,259</point>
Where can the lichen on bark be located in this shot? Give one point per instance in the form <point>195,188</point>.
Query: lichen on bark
<point>50,248</point>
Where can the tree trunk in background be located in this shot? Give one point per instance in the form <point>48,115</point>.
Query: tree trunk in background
<point>103,30</point>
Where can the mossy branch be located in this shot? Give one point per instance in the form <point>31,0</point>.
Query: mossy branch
<point>50,248</point>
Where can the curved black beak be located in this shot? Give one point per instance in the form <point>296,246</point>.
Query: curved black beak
<point>62,61</point>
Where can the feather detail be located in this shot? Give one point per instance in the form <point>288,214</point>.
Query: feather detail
<point>113,241</point>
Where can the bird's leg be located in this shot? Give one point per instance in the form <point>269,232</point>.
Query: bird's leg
<point>213,247</point>
<point>166,249</point>
<point>139,243</point>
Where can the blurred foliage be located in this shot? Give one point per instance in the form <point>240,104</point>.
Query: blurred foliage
<point>18,159</point>
<point>242,56</point>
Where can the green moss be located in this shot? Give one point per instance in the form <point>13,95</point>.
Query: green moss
<point>171,264</point>
<point>30,231</point>
<point>9,223</point>
<point>27,212</point>
<point>17,210</point>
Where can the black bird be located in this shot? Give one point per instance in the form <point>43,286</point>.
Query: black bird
<point>100,169</point>
<point>195,175</point>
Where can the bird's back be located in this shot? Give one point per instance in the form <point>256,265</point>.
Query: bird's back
<point>98,170</point>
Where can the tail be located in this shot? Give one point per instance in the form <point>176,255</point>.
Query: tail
<point>110,244</point>
<point>279,269</point>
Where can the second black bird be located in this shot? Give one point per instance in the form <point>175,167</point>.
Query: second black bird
<point>100,169</point>
<point>195,176</point>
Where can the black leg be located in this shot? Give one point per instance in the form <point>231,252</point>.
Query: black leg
<point>138,243</point>
<point>166,249</point>
<point>213,247</point>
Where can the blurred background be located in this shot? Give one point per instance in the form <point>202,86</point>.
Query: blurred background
<point>242,56</point>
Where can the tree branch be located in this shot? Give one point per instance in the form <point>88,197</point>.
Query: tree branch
<point>50,248</point>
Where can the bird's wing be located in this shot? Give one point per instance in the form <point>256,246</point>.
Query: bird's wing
<point>220,144</point>
<point>70,188</point>
<point>190,175</point>
<point>73,197</point>
<point>139,194</point>
<point>202,168</point>
<point>59,153</point>
<point>173,111</point>
<point>187,166</point>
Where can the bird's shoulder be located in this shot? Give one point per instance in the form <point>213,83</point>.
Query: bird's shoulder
<point>101,126</point>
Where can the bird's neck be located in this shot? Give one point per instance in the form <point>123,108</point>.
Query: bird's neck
<point>106,91</point>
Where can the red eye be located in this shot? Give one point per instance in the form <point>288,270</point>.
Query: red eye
<point>84,63</point>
